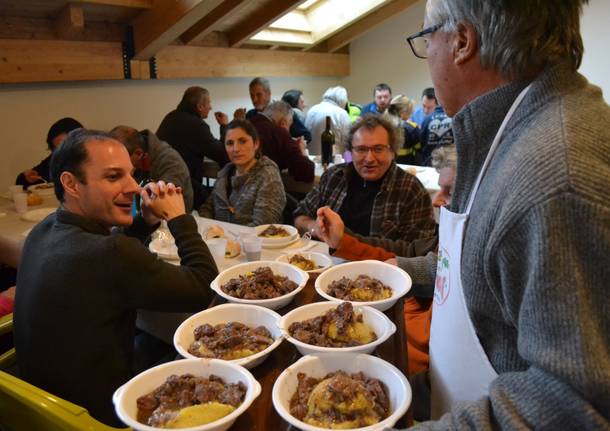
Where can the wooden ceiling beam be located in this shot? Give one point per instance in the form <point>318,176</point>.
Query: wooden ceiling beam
<point>259,20</point>
<point>344,37</point>
<point>70,22</point>
<point>165,22</point>
<point>202,62</point>
<point>59,60</point>
<point>134,4</point>
<point>208,23</point>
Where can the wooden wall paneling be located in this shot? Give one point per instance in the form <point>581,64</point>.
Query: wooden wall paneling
<point>55,60</point>
<point>200,62</point>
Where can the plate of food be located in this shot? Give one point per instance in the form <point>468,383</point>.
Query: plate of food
<point>37,215</point>
<point>269,284</point>
<point>366,282</point>
<point>44,189</point>
<point>192,394</point>
<point>327,327</point>
<point>243,334</point>
<point>213,232</point>
<point>341,391</point>
<point>310,262</point>
<point>277,235</point>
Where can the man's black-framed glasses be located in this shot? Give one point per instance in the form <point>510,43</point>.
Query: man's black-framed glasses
<point>419,43</point>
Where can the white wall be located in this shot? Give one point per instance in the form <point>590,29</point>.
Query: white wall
<point>380,55</point>
<point>27,111</point>
<point>383,55</point>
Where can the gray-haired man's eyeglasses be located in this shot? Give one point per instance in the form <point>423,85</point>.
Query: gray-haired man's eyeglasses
<point>419,43</point>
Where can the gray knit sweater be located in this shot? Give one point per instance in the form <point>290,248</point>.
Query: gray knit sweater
<point>536,255</point>
<point>256,198</point>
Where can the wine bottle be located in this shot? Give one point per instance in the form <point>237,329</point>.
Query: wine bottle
<point>328,140</point>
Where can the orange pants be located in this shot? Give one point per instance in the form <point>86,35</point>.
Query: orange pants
<point>418,316</point>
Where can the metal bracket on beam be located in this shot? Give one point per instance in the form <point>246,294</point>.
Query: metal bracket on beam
<point>152,64</point>
<point>128,52</point>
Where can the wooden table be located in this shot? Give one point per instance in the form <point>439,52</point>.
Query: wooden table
<point>261,416</point>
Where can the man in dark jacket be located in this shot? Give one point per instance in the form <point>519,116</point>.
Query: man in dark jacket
<point>185,130</point>
<point>288,153</point>
<point>81,282</point>
<point>260,94</point>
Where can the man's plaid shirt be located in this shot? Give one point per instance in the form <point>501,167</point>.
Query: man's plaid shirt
<point>402,210</point>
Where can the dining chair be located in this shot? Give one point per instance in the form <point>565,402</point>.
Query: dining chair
<point>24,406</point>
<point>8,358</point>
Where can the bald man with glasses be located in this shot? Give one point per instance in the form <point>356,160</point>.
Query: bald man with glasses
<point>379,203</point>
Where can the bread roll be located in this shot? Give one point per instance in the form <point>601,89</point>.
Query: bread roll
<point>233,249</point>
<point>214,231</point>
<point>34,199</point>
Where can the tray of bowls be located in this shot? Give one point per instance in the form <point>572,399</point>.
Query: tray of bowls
<point>335,384</point>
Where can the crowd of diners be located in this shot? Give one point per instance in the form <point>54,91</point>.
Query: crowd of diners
<point>507,322</point>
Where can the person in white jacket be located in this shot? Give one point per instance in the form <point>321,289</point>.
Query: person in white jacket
<point>332,105</point>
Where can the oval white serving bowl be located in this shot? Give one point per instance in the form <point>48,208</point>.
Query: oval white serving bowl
<point>322,260</point>
<point>319,365</point>
<point>375,319</point>
<point>125,397</point>
<point>390,275</point>
<point>295,274</point>
<point>249,315</point>
<point>293,233</point>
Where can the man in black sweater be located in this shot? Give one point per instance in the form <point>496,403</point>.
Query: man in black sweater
<point>81,279</point>
<point>186,131</point>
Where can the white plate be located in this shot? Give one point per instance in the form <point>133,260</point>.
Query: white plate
<point>284,244</point>
<point>322,260</point>
<point>37,215</point>
<point>293,235</point>
<point>43,189</point>
<point>163,251</point>
<point>250,315</point>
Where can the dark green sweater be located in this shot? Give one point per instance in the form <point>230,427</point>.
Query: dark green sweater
<point>79,288</point>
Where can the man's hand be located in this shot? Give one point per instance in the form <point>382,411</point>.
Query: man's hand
<point>161,201</point>
<point>330,227</point>
<point>392,261</point>
<point>31,176</point>
<point>221,118</point>
<point>240,114</point>
<point>302,145</point>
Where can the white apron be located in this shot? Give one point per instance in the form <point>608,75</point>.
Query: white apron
<point>459,368</point>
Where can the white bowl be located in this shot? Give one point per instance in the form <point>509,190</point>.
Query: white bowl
<point>375,319</point>
<point>318,366</point>
<point>279,241</point>
<point>295,274</point>
<point>320,259</point>
<point>125,397</point>
<point>44,189</point>
<point>390,275</point>
<point>250,315</point>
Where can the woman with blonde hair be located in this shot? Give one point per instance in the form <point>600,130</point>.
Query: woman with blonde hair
<point>399,111</point>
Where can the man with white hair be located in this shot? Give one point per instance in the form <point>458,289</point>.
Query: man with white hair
<point>520,335</point>
<point>333,106</point>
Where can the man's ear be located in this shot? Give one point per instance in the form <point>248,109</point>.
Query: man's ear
<point>70,183</point>
<point>283,123</point>
<point>465,44</point>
